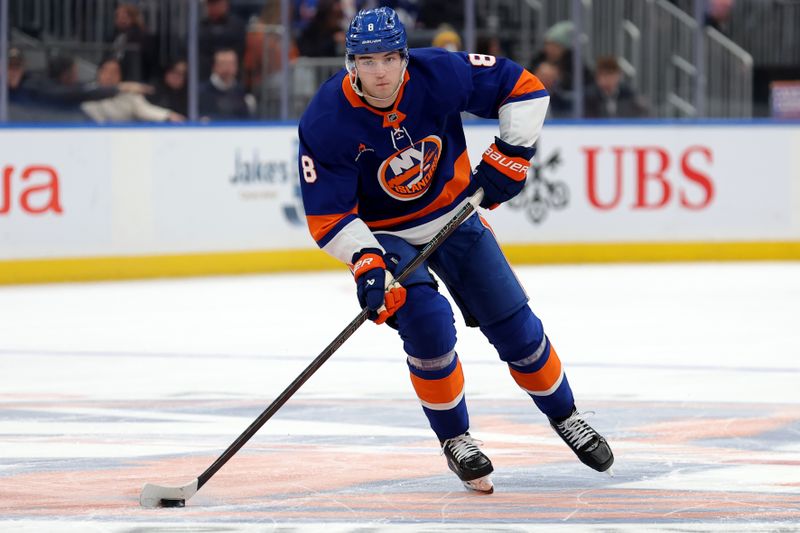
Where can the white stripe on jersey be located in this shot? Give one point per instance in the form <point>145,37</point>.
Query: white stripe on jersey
<point>352,238</point>
<point>422,234</point>
<point>521,122</point>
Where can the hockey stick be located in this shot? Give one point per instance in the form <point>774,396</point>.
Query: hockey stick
<point>161,496</point>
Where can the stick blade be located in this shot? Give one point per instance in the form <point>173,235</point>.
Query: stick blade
<point>154,496</point>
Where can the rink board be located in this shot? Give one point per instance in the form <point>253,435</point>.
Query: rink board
<point>117,202</point>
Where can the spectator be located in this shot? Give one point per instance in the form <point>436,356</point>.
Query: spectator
<point>133,45</point>
<point>222,97</point>
<point>170,91</point>
<point>21,97</point>
<point>447,38</point>
<point>62,90</point>
<point>324,36</point>
<point>58,94</point>
<point>18,90</point>
<point>219,30</point>
<point>560,103</point>
<point>263,54</point>
<point>609,97</point>
<point>124,106</point>
<point>718,15</point>
<point>558,50</point>
<point>303,12</point>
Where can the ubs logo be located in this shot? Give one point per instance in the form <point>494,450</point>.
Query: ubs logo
<point>407,174</point>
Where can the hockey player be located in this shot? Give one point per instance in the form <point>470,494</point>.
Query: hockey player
<point>383,166</point>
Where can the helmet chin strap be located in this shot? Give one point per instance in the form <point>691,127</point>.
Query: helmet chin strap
<point>353,75</point>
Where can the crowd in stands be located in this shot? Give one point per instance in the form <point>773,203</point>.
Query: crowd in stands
<point>605,93</point>
<point>240,54</point>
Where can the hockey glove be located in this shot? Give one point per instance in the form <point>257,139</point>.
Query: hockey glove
<point>376,287</point>
<point>502,172</point>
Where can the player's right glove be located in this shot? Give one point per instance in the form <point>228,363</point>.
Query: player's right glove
<point>375,285</point>
<point>502,172</point>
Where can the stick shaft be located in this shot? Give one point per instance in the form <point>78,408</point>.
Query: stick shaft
<point>340,339</point>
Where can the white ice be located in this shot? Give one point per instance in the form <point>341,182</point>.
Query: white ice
<point>708,332</point>
<point>648,332</point>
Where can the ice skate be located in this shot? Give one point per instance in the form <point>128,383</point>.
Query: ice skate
<point>470,464</point>
<point>590,447</point>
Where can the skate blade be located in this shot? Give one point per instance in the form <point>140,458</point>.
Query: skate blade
<point>482,484</point>
<point>610,471</point>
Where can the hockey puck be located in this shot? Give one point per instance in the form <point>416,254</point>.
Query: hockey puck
<point>172,503</point>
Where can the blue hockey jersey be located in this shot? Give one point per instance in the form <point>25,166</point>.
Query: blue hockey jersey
<point>404,170</point>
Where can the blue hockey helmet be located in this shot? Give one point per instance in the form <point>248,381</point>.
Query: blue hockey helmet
<point>375,31</point>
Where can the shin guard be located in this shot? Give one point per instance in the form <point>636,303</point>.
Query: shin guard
<point>532,361</point>
<point>426,325</point>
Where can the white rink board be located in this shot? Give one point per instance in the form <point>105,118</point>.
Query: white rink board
<point>228,189</point>
<point>145,191</point>
<point>76,167</point>
<point>128,191</point>
<point>658,183</point>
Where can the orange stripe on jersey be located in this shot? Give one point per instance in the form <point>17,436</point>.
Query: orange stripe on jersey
<point>543,379</point>
<point>440,391</point>
<point>320,225</point>
<point>527,83</point>
<point>454,187</point>
<point>486,224</point>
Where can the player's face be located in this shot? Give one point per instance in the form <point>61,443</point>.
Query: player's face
<point>379,73</point>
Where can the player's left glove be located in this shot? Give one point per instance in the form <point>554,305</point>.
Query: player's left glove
<point>377,289</point>
<point>502,172</point>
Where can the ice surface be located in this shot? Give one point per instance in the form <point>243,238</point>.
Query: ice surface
<point>692,371</point>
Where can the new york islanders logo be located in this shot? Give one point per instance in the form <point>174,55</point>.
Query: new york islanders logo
<point>407,174</point>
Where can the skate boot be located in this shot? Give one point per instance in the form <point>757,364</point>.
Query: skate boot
<point>470,464</point>
<point>590,447</point>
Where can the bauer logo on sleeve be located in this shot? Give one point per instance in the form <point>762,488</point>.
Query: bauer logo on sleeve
<point>407,174</point>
